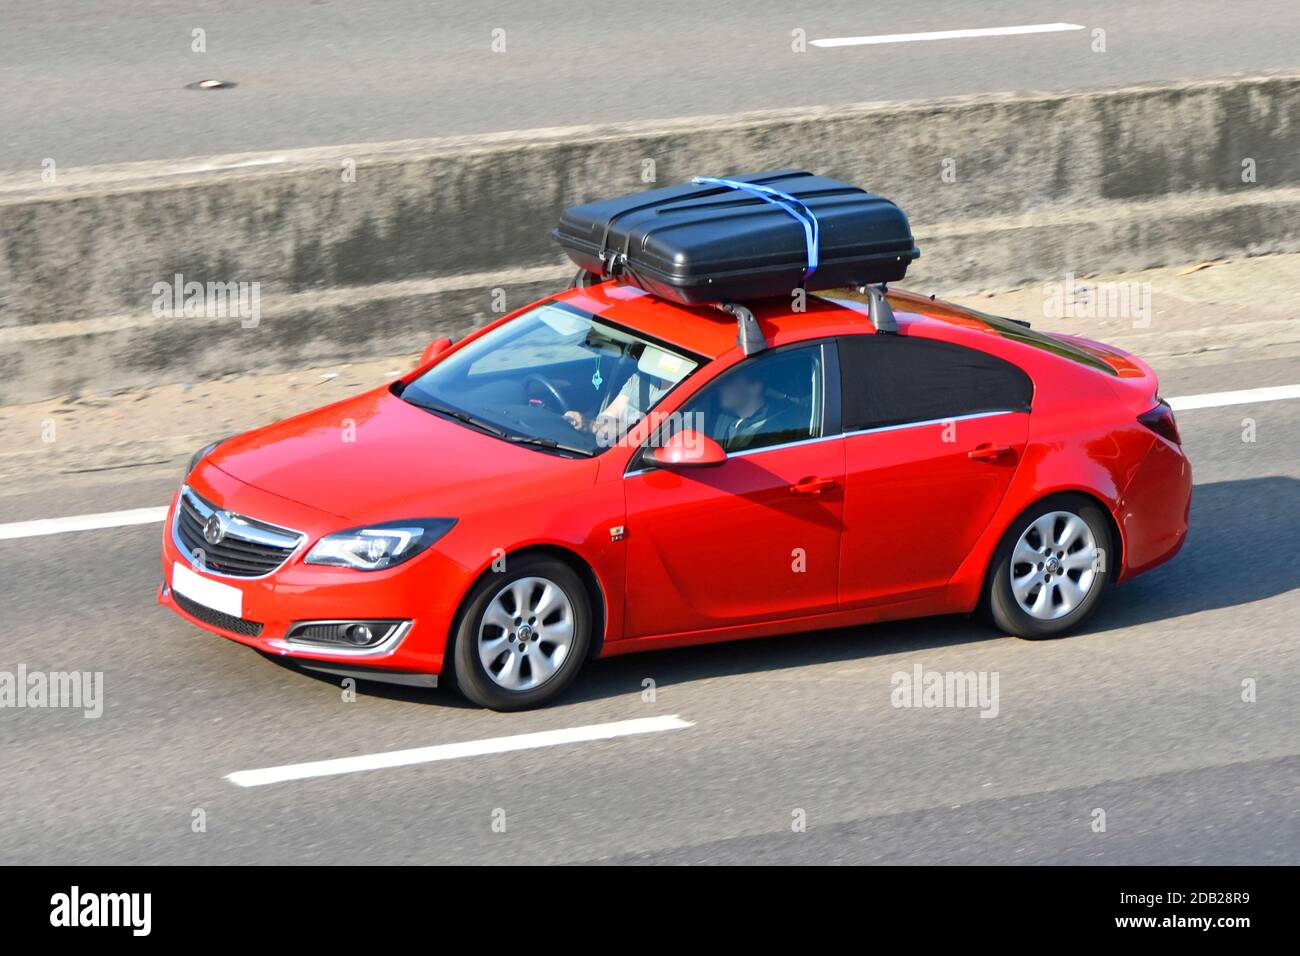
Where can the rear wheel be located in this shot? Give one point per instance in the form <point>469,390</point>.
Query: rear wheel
<point>523,635</point>
<point>1051,568</point>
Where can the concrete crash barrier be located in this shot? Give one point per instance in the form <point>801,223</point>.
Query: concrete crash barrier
<point>343,253</point>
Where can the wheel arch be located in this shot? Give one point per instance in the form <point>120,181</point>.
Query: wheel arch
<point>1115,566</point>
<point>576,563</point>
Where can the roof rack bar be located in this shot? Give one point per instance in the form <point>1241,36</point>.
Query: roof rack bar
<point>748,335</point>
<point>879,310</point>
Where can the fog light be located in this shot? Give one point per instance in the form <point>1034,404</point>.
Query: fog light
<point>359,634</point>
<point>345,634</point>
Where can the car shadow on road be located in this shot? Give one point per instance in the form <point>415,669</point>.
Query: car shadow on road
<point>1244,546</point>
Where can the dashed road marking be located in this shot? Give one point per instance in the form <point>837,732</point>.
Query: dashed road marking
<point>107,519</point>
<point>1247,396</point>
<point>947,35</point>
<point>472,748</point>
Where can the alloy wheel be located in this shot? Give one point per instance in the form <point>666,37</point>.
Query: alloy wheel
<point>526,633</point>
<point>1054,565</point>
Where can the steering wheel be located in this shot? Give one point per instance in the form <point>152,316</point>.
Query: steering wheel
<point>552,394</point>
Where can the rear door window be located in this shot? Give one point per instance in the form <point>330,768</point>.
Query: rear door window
<point>896,380</point>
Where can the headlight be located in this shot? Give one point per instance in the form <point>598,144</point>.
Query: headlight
<point>199,456</point>
<point>378,546</point>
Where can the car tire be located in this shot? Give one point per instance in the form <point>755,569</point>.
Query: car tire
<point>1036,591</point>
<point>523,634</point>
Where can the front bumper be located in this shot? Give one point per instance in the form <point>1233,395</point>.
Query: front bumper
<point>425,591</point>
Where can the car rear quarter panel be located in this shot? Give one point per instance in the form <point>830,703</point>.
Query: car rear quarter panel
<point>1081,439</point>
<point>1154,512</point>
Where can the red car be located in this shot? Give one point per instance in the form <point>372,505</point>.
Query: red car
<point>605,472</point>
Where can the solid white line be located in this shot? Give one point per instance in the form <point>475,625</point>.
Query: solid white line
<point>1245,397</point>
<point>120,519</point>
<point>108,519</point>
<point>947,34</point>
<point>472,748</point>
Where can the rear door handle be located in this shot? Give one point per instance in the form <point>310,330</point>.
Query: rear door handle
<point>812,486</point>
<point>989,452</point>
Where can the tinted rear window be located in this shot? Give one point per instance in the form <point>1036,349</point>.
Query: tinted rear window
<point>1010,329</point>
<point>896,379</point>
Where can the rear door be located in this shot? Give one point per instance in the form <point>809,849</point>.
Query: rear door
<point>933,434</point>
<point>757,537</point>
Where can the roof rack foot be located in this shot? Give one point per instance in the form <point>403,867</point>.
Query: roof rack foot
<point>878,309</point>
<point>748,335</point>
<point>584,279</point>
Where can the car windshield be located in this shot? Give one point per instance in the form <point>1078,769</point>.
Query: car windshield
<point>555,378</point>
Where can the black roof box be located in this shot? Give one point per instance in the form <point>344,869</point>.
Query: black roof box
<point>743,238</point>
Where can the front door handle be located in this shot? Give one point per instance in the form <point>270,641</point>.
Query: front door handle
<point>812,486</point>
<point>989,452</point>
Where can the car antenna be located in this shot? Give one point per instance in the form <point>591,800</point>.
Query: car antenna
<point>748,335</point>
<point>878,309</point>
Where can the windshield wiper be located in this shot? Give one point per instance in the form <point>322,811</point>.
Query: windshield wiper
<point>460,416</point>
<point>498,432</point>
<point>547,443</point>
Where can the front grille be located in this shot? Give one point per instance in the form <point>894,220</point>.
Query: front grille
<point>227,622</point>
<point>249,548</point>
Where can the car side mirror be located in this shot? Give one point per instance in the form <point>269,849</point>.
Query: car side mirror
<point>434,349</point>
<point>687,449</point>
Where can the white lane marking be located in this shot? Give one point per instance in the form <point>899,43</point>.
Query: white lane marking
<point>472,748</point>
<point>947,34</point>
<point>1243,397</point>
<point>107,519</point>
<point>120,519</point>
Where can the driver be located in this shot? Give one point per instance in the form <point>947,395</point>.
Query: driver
<point>637,396</point>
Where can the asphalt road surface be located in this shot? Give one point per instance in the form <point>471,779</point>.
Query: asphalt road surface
<point>88,81</point>
<point>1140,715</point>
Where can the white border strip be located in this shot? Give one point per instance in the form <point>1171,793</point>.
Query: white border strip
<point>947,35</point>
<point>473,748</point>
<point>120,519</point>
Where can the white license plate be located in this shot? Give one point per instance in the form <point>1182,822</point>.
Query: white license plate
<point>209,593</point>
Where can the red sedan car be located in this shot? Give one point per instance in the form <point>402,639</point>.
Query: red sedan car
<point>605,472</point>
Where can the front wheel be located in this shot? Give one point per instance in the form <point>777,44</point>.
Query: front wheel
<point>1050,569</point>
<point>523,635</point>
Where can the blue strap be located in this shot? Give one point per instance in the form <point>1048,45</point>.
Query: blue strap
<point>802,214</point>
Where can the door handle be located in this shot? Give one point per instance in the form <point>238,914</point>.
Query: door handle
<point>812,486</point>
<point>989,452</point>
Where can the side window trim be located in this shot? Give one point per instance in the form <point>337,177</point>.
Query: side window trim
<point>746,452</point>
<point>934,421</point>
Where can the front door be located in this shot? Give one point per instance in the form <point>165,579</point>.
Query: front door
<point>756,538</point>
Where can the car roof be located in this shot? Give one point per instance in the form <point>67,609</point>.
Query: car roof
<point>712,333</point>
